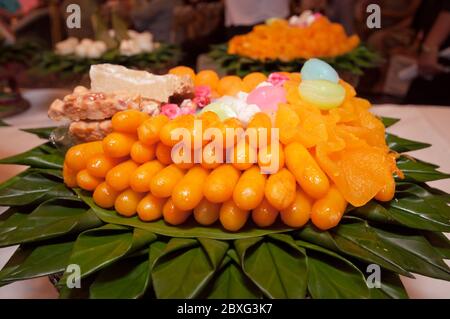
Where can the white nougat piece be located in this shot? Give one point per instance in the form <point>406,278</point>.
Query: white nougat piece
<point>110,78</point>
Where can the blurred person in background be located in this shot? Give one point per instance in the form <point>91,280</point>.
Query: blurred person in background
<point>9,7</point>
<point>87,8</point>
<point>433,25</point>
<point>313,5</point>
<point>11,13</point>
<point>18,8</point>
<point>29,5</point>
<point>242,15</point>
<point>155,16</point>
<point>342,11</point>
<point>197,24</point>
<point>396,30</point>
<point>396,36</point>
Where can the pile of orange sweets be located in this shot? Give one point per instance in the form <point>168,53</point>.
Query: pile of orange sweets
<point>281,41</point>
<point>327,160</point>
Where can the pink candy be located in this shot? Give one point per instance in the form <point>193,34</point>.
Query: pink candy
<point>202,95</point>
<point>202,90</point>
<point>170,110</point>
<point>201,101</point>
<point>277,79</point>
<point>267,97</point>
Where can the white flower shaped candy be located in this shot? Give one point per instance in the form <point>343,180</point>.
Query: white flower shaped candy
<point>143,40</point>
<point>129,47</point>
<point>96,50</point>
<point>305,19</point>
<point>88,48</point>
<point>81,50</point>
<point>67,46</point>
<point>230,106</point>
<point>294,20</point>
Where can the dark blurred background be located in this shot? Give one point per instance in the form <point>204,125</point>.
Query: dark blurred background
<point>412,33</point>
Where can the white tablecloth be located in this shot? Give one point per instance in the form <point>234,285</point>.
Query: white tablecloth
<point>423,123</point>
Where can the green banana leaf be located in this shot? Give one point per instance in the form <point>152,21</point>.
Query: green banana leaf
<point>42,132</point>
<point>191,229</point>
<point>284,274</point>
<point>186,266</point>
<point>43,156</point>
<point>354,62</point>
<point>331,276</point>
<point>42,261</point>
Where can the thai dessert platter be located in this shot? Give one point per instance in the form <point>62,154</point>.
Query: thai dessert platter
<point>192,185</point>
<point>328,150</point>
<point>285,44</point>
